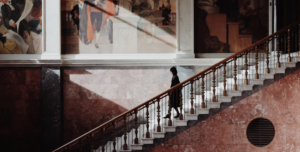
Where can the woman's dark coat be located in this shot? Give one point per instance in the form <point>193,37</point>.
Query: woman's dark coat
<point>174,98</point>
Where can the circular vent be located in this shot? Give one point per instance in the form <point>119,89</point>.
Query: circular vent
<point>260,132</point>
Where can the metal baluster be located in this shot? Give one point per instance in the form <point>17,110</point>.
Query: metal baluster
<point>235,88</point>
<point>267,55</point>
<point>169,111</point>
<point>92,142</point>
<point>203,102</point>
<point>147,117</point>
<point>278,65</point>
<point>214,99</point>
<point>256,63</point>
<point>192,110</point>
<point>103,144</point>
<point>246,68</point>
<point>125,146</point>
<point>181,100</point>
<point>289,46</point>
<point>224,75</point>
<point>115,136</point>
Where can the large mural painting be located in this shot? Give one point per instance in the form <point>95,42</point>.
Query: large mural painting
<point>21,26</point>
<point>118,26</point>
<point>228,26</point>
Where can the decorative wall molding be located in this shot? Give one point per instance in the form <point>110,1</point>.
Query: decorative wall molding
<point>103,62</point>
<point>120,56</point>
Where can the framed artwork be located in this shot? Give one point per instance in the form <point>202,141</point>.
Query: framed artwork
<point>118,26</point>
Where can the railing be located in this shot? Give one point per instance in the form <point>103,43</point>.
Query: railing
<point>197,93</point>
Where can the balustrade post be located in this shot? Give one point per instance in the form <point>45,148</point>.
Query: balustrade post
<point>125,146</point>
<point>169,110</point>
<point>246,69</point>
<point>256,63</point>
<point>289,46</point>
<point>235,74</point>
<point>102,140</point>
<point>114,136</point>
<point>267,55</point>
<point>203,92</point>
<point>224,75</point>
<point>192,110</point>
<point>278,64</point>
<point>181,100</point>
<point>214,98</point>
<point>136,140</point>
<point>158,116</point>
<point>92,142</point>
<point>147,117</point>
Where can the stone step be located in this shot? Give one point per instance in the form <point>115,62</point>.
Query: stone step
<point>258,81</point>
<point>125,150</point>
<point>268,76</point>
<point>170,128</point>
<point>136,146</point>
<point>202,111</point>
<point>191,116</point>
<point>158,134</point>
<point>147,140</point>
<point>225,98</point>
<point>181,122</point>
<point>214,104</point>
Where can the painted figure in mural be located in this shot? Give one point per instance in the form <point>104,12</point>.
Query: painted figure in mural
<point>174,98</point>
<point>166,11</point>
<point>246,11</point>
<point>110,7</point>
<point>11,13</point>
<point>229,7</point>
<point>8,46</point>
<point>1,18</point>
<point>205,42</point>
<point>96,9</point>
<point>79,16</point>
<point>252,21</point>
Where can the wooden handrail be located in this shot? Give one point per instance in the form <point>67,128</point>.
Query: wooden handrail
<point>179,85</point>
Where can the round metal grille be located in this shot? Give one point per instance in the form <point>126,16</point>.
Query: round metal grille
<point>260,132</point>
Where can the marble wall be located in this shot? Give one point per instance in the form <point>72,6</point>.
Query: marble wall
<point>94,96</point>
<point>226,131</point>
<point>20,117</point>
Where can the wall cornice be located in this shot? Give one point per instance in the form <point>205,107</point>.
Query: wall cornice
<point>106,62</point>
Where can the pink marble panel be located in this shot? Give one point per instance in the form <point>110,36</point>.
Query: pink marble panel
<point>226,131</point>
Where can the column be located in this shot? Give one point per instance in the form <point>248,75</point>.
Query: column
<point>52,34</point>
<point>185,29</point>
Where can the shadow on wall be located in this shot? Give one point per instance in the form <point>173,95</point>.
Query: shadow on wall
<point>84,109</point>
<point>94,96</point>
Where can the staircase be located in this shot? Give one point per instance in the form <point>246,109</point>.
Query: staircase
<point>202,96</point>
